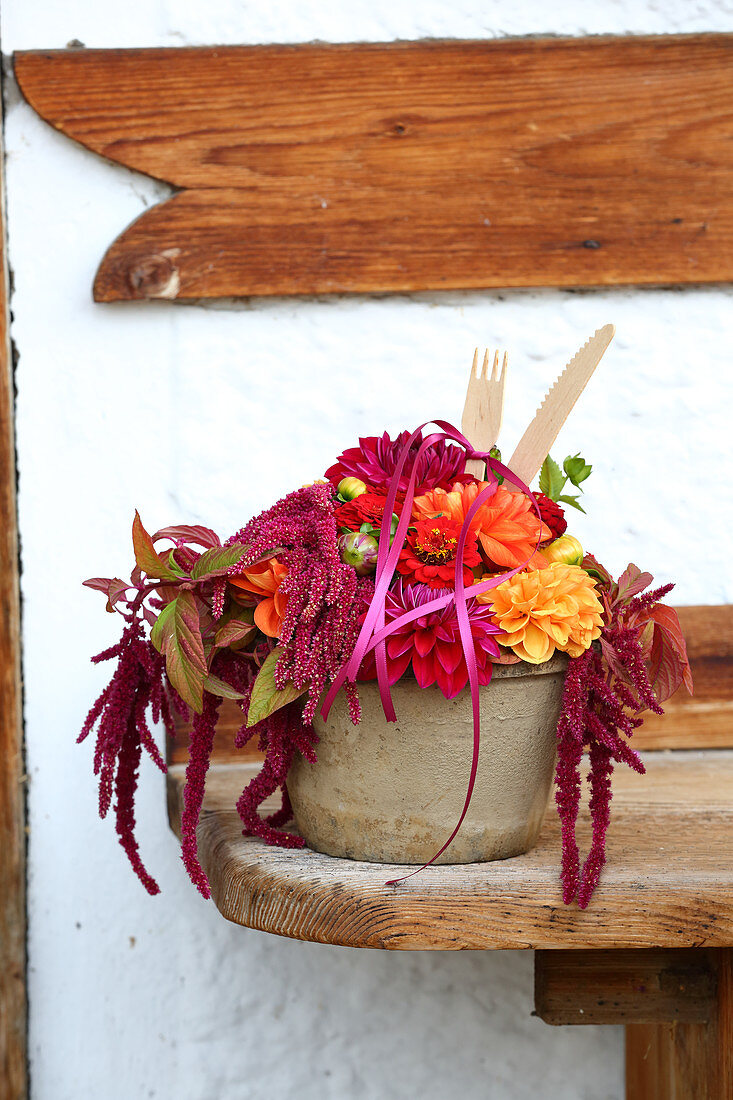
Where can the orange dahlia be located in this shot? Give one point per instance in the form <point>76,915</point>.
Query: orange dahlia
<point>264,580</point>
<point>507,526</point>
<point>547,609</point>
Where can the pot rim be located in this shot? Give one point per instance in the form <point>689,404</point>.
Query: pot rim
<point>558,663</point>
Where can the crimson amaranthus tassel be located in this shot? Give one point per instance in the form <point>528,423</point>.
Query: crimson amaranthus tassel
<point>600,709</point>
<point>325,597</point>
<point>203,729</point>
<point>280,736</point>
<point>237,671</point>
<point>122,733</point>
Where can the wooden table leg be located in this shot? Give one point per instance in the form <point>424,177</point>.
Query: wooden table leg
<point>686,1061</point>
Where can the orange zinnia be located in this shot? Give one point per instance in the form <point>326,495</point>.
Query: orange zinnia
<point>547,609</point>
<point>264,579</point>
<point>507,526</point>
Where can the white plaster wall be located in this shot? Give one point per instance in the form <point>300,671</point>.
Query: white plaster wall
<point>205,413</point>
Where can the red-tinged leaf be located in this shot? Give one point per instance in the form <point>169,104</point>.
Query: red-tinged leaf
<point>667,622</point>
<point>136,576</point>
<point>215,686</point>
<point>214,563</point>
<point>595,569</point>
<point>177,634</point>
<point>188,629</point>
<point>233,633</point>
<point>117,591</point>
<point>266,698</point>
<point>207,622</point>
<point>631,582</point>
<point>99,584</point>
<point>612,660</point>
<point>201,536</point>
<point>145,554</point>
<point>150,617</point>
<point>113,588</point>
<point>665,668</point>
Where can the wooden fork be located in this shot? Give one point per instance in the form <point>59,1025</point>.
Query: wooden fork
<point>482,412</point>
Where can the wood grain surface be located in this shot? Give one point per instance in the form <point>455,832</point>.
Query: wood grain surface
<point>13,1007</point>
<point>686,1061</point>
<point>409,166</point>
<point>668,881</point>
<point>623,987</point>
<point>704,720</point>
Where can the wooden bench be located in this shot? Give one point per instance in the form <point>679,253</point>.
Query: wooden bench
<point>653,951</point>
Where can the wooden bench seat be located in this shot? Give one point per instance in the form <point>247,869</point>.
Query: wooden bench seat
<point>668,881</point>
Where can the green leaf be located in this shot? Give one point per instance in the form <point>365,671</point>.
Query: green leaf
<point>146,556</point>
<point>552,481</point>
<point>218,687</point>
<point>171,564</point>
<point>266,698</point>
<point>215,562</point>
<point>573,502</point>
<point>577,469</point>
<point>163,627</point>
<point>177,635</point>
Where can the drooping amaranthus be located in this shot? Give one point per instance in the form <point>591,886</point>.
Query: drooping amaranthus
<point>280,736</point>
<point>606,690</point>
<point>138,684</point>
<point>325,597</point>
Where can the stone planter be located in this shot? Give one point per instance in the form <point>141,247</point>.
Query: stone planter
<point>393,792</point>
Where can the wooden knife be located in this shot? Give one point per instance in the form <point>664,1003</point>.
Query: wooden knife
<point>534,446</point>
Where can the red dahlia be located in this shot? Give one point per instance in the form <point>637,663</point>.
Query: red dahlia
<point>367,508</point>
<point>375,459</point>
<point>432,643</point>
<point>429,554</point>
<point>553,515</point>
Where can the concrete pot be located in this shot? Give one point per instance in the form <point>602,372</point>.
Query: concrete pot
<point>393,792</point>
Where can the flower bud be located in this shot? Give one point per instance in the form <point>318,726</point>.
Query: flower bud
<point>350,487</point>
<point>359,550</point>
<point>566,549</point>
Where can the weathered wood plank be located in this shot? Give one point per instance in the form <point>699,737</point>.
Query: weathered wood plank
<point>13,1006</point>
<point>704,720</point>
<point>409,166</point>
<point>668,881</point>
<point>685,1061</point>
<point>622,987</point>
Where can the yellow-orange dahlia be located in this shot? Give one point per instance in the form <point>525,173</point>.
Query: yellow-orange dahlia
<point>547,609</point>
<point>507,526</point>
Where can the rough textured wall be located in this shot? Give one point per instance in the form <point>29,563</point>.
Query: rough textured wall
<point>207,413</point>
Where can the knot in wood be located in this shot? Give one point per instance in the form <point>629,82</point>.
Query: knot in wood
<point>156,276</point>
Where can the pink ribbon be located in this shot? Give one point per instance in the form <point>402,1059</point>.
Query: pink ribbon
<point>374,632</point>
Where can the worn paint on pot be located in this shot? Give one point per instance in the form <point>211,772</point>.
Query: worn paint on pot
<point>392,792</point>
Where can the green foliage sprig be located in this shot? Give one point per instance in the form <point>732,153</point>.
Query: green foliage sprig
<point>553,480</point>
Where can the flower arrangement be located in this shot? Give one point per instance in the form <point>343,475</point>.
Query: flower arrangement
<point>396,564</point>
